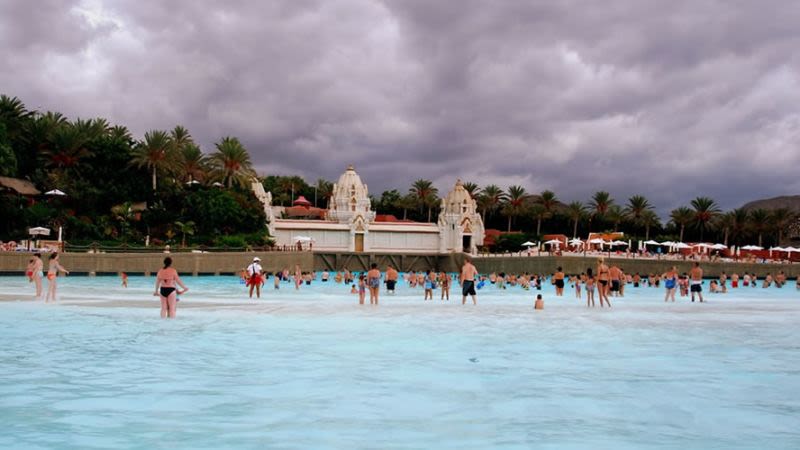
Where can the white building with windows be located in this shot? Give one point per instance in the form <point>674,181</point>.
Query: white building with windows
<point>350,224</point>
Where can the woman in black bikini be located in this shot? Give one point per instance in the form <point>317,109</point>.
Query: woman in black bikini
<point>602,280</point>
<point>166,279</point>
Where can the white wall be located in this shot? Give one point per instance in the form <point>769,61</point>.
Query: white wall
<point>323,239</point>
<point>403,241</point>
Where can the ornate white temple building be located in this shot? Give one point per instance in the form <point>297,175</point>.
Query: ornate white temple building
<point>350,225</point>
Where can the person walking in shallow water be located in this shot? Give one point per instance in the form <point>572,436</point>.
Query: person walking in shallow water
<point>166,280</point>
<point>54,267</point>
<point>467,279</point>
<point>37,274</point>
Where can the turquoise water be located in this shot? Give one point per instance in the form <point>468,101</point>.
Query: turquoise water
<point>313,369</point>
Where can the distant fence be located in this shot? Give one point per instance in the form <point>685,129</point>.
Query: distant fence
<point>96,247</point>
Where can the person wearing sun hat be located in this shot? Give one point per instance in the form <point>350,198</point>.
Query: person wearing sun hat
<point>255,276</point>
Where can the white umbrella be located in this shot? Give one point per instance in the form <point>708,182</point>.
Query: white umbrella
<point>681,245</point>
<point>652,242</point>
<point>616,243</point>
<point>39,231</point>
<point>792,249</point>
<point>702,245</point>
<point>528,244</point>
<point>752,247</point>
<point>55,192</point>
<point>597,241</point>
<point>778,249</point>
<point>668,243</point>
<point>576,241</point>
<point>719,246</point>
<point>193,182</point>
<point>555,242</point>
<point>217,184</point>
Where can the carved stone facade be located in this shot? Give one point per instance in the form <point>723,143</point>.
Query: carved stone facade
<point>350,223</point>
<point>460,225</point>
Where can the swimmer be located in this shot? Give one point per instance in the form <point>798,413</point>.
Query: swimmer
<point>53,269</point>
<point>374,283</point>
<point>166,290</point>
<point>391,279</point>
<point>589,288</point>
<point>325,275</point>
<point>37,275</point>
<point>578,281</point>
<point>362,288</point>
<point>735,280</point>
<point>670,283</point>
<point>696,281</point>
<point>558,280</point>
<point>298,277</point>
<point>444,281</point>
<point>603,280</point>
<point>354,290</point>
<point>29,269</point>
<point>124,277</point>
<point>539,302</point>
<point>467,279</point>
<point>429,281</point>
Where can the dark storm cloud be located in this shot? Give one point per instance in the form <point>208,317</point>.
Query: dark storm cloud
<point>666,99</point>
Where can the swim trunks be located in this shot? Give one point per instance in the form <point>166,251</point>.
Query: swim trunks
<point>614,285</point>
<point>390,284</point>
<point>468,288</point>
<point>560,284</point>
<point>167,291</point>
<point>697,286</point>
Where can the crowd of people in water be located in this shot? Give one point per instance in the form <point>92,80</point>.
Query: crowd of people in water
<point>603,282</point>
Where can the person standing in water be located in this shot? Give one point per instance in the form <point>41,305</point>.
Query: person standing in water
<point>37,274</point>
<point>671,283</point>
<point>166,280</point>
<point>696,281</point>
<point>444,281</point>
<point>298,277</point>
<point>255,277</point>
<point>558,280</point>
<point>589,288</point>
<point>391,279</point>
<point>467,279</point>
<point>374,283</point>
<point>603,280</point>
<point>53,268</point>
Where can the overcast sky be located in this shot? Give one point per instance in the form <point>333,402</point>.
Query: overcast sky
<point>670,99</point>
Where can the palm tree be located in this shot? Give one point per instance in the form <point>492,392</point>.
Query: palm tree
<point>193,163</point>
<point>575,211</point>
<point>68,147</point>
<point>782,218</point>
<point>231,162</point>
<point>472,188</point>
<point>705,209</point>
<point>405,203</point>
<point>514,203</point>
<point>14,115</point>
<point>635,209</point>
<point>760,223</point>
<point>549,203</point>
<point>648,219</point>
<point>490,199</point>
<point>425,194</point>
<point>538,212</point>
<point>325,191</point>
<point>156,153</point>
<point>681,217</point>
<point>599,204</point>
<point>615,215</point>
<point>741,222</point>
<point>185,228</point>
<point>181,137</point>
<point>725,223</point>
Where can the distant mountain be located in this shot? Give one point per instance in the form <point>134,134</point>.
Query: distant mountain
<point>787,201</point>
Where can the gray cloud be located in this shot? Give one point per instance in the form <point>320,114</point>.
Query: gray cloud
<point>668,99</point>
